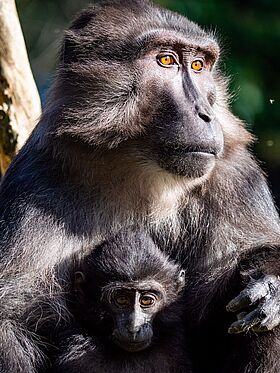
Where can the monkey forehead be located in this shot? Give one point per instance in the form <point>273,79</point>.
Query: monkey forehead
<point>154,39</point>
<point>138,285</point>
<point>122,29</point>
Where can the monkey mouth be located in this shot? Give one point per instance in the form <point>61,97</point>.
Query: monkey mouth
<point>191,150</point>
<point>132,346</point>
<point>192,162</point>
<point>200,154</point>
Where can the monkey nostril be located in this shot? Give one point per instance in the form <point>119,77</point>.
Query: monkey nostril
<point>203,112</point>
<point>206,118</point>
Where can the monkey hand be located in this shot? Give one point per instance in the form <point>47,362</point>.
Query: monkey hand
<point>262,298</point>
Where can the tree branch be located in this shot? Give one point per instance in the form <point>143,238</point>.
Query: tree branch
<point>20,105</point>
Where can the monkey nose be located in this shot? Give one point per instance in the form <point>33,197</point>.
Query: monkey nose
<point>133,331</point>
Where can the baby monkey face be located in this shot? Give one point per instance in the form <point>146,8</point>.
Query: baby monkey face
<point>133,309</point>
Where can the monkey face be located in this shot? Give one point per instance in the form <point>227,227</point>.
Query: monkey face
<point>133,311</point>
<point>183,136</point>
<point>134,306</point>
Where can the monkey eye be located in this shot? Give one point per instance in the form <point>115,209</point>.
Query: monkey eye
<point>147,300</point>
<point>122,301</point>
<point>197,65</point>
<point>166,60</point>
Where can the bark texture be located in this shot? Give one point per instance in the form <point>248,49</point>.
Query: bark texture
<point>20,105</point>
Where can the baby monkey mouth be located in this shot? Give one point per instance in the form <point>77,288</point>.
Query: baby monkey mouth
<point>132,346</point>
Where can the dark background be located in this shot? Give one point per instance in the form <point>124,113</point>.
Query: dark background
<point>249,32</point>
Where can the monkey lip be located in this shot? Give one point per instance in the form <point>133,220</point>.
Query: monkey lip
<point>132,346</point>
<point>201,154</point>
<point>189,155</point>
<point>185,152</point>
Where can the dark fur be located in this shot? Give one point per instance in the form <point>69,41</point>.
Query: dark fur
<point>97,161</point>
<point>86,346</point>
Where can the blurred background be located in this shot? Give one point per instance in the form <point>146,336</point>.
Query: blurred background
<point>249,32</point>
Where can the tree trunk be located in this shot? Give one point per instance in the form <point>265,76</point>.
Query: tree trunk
<point>20,105</point>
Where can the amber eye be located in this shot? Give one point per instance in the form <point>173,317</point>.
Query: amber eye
<point>197,65</point>
<point>147,300</point>
<point>166,60</point>
<point>122,301</point>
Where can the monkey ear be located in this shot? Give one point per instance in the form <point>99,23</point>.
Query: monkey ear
<point>181,280</point>
<point>79,279</point>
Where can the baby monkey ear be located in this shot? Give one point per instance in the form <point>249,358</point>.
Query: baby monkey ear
<point>79,280</point>
<point>181,280</point>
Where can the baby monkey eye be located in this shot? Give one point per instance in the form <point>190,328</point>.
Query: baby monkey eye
<point>166,60</point>
<point>147,300</point>
<point>122,301</point>
<point>197,65</point>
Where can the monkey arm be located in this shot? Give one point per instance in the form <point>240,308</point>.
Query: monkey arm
<point>258,305</point>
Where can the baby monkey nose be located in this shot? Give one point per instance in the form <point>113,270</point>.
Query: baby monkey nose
<point>133,330</point>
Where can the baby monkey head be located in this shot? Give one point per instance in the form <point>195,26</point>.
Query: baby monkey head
<point>131,282</point>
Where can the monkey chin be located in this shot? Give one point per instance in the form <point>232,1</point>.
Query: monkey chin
<point>192,165</point>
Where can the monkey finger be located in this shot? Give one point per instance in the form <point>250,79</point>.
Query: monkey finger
<point>245,324</point>
<point>245,299</point>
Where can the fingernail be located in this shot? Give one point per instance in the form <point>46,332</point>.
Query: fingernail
<point>232,330</point>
